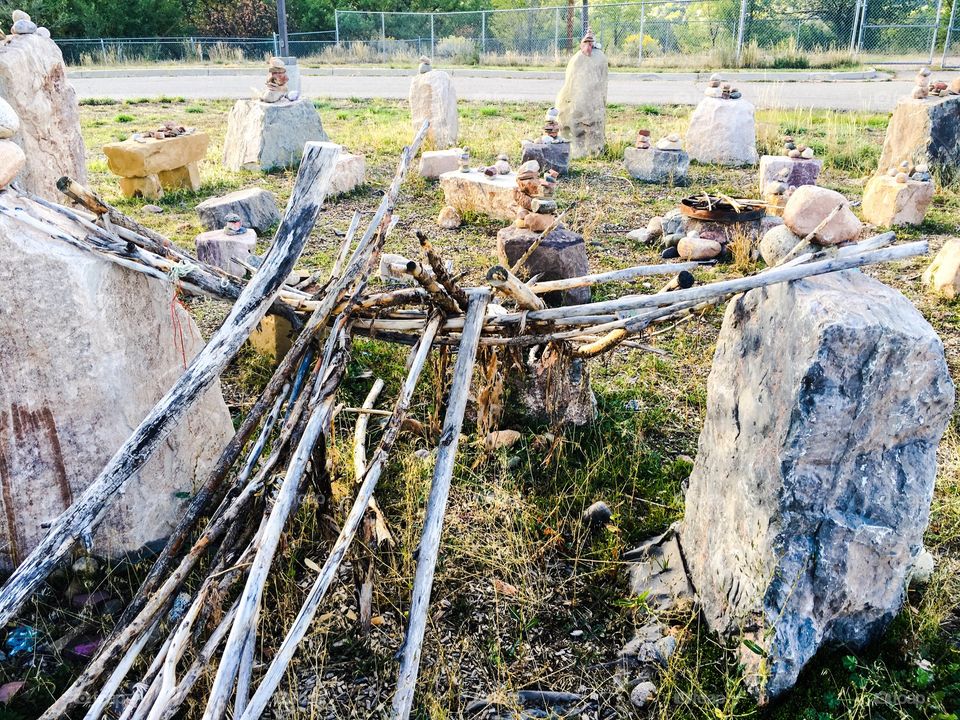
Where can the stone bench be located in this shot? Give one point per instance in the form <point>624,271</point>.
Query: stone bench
<point>474,192</point>
<point>148,167</point>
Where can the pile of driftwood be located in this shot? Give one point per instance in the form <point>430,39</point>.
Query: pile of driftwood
<point>224,545</point>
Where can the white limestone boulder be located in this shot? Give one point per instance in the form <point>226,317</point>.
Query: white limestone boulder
<point>582,103</point>
<point>812,485</point>
<point>269,136</point>
<point>434,163</point>
<point>256,207</point>
<point>722,132</point>
<point>924,131</point>
<point>219,248</point>
<point>432,97</point>
<point>33,82</point>
<point>89,348</point>
<point>475,192</point>
<point>349,174</point>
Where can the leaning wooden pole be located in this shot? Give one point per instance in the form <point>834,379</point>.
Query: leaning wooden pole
<point>84,515</point>
<point>437,503</point>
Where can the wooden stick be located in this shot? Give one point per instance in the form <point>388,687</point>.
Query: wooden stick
<point>85,514</point>
<point>439,295</point>
<point>613,276</point>
<point>437,504</point>
<point>341,260</point>
<point>301,624</point>
<point>536,243</point>
<point>119,673</point>
<point>333,366</point>
<point>381,531</point>
<point>440,271</point>
<point>511,286</point>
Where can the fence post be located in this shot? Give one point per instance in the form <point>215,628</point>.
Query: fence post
<point>336,26</point>
<point>863,22</point>
<point>934,32</point>
<point>948,38</point>
<point>276,49</point>
<point>556,34</point>
<point>383,32</point>
<point>483,30</point>
<point>643,22</point>
<point>432,38</point>
<point>743,20</point>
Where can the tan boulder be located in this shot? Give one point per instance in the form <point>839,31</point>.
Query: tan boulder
<point>810,205</point>
<point>474,192</point>
<point>434,163</point>
<point>698,248</point>
<point>12,161</point>
<point>186,177</point>
<point>777,243</point>
<point>33,81</point>
<point>142,187</point>
<point>888,203</point>
<point>582,103</point>
<point>942,277</point>
<point>151,157</point>
<point>349,174</point>
<point>449,218</point>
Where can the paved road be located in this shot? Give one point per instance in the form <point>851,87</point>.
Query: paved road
<point>840,95</point>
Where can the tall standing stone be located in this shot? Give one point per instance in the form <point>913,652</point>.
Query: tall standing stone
<point>33,80</point>
<point>924,131</point>
<point>433,97</point>
<point>89,348</point>
<point>723,132</point>
<point>582,102</point>
<point>813,480</point>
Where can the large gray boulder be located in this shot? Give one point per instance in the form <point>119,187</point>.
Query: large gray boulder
<point>562,254</point>
<point>812,484</point>
<point>582,103</point>
<point>723,132</point>
<point>924,131</point>
<point>256,207</point>
<point>663,167</point>
<point>88,349</point>
<point>33,81</point>
<point>270,136</point>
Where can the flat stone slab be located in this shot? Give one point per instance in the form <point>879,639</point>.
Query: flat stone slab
<point>256,207</point>
<point>218,248</point>
<point>268,136</point>
<point>723,132</point>
<point>474,192</point>
<point>551,156</point>
<point>799,171</point>
<point>888,203</point>
<point>663,167</point>
<point>562,254</point>
<point>134,159</point>
<point>924,131</point>
<point>434,163</point>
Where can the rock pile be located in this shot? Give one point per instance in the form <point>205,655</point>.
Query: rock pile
<point>667,163</point>
<point>812,485</point>
<point>41,114</point>
<point>224,246</point>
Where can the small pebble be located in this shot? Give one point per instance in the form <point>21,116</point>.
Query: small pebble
<point>152,209</point>
<point>598,514</point>
<point>643,694</point>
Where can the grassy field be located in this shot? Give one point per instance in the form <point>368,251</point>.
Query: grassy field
<point>525,597</point>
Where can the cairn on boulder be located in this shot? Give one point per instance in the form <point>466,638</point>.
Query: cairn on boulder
<point>582,100</point>
<point>34,85</point>
<point>471,191</point>
<point>432,97</point>
<point>224,246</point>
<point>722,128</point>
<point>812,485</point>
<point>666,163</point>
<point>269,131</point>
<point>780,175</point>
<point>901,196</point>
<point>85,359</point>
<point>551,151</point>
<point>925,130</point>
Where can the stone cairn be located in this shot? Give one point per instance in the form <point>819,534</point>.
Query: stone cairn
<point>550,150</point>
<point>229,247</point>
<point>722,127</point>
<point>150,162</point>
<point>275,89</point>
<point>664,163</point>
<point>900,196</point>
<point>780,175</point>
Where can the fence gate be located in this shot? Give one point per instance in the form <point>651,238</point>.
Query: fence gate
<point>951,46</point>
<point>906,30</point>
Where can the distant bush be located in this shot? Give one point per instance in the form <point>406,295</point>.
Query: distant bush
<point>458,50</point>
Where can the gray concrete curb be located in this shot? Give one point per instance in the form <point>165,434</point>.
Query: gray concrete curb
<point>758,76</point>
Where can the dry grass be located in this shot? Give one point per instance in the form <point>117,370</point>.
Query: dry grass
<point>525,597</point>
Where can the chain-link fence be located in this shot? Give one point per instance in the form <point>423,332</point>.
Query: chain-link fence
<point>692,34</point>
<point>110,51</point>
<point>684,33</point>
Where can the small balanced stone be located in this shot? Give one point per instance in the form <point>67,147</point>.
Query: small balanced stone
<point>502,164</point>
<point>464,162</point>
<point>901,177</point>
<point>643,139</point>
<point>425,65</point>
<point>670,142</point>
<point>807,153</point>
<point>275,88</point>
<point>22,24</point>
